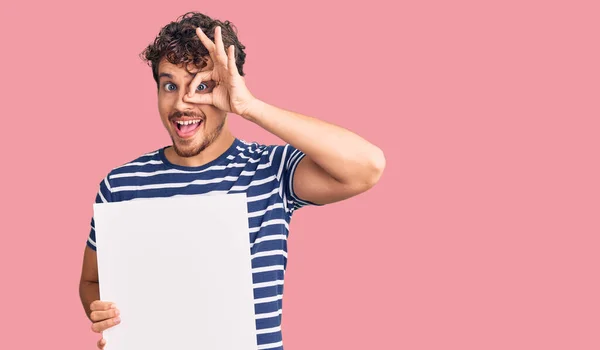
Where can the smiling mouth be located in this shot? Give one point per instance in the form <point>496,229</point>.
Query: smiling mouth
<point>187,128</point>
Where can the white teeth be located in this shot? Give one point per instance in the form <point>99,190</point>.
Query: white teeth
<point>188,122</point>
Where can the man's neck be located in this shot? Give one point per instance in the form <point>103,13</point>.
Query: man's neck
<point>210,153</point>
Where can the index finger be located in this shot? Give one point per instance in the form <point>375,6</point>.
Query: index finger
<point>210,46</point>
<point>99,305</point>
<point>200,77</point>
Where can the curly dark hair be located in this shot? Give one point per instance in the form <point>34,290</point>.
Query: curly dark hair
<point>179,43</point>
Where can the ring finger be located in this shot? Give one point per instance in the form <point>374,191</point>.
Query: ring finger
<point>99,327</point>
<point>103,315</point>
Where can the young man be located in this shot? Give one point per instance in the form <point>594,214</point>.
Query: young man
<point>197,63</point>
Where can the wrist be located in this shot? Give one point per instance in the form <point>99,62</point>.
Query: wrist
<point>255,110</point>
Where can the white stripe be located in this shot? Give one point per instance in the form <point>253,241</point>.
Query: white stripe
<point>107,184</point>
<point>101,196</point>
<point>270,346</point>
<point>258,150</point>
<point>253,183</point>
<point>150,154</point>
<point>280,171</point>
<point>252,172</point>
<point>268,284</point>
<point>286,201</point>
<point>296,159</point>
<point>270,223</point>
<point>215,193</point>
<point>292,171</point>
<point>243,149</point>
<point>269,253</point>
<point>268,238</point>
<point>249,149</point>
<point>281,183</point>
<point>174,184</point>
<point>92,242</point>
<point>262,196</point>
<point>268,299</point>
<point>179,171</point>
<point>287,163</point>
<point>140,163</point>
<point>293,157</point>
<point>272,155</point>
<point>301,202</point>
<point>250,160</point>
<point>268,330</point>
<point>212,193</point>
<point>268,268</point>
<point>268,315</point>
<point>263,212</point>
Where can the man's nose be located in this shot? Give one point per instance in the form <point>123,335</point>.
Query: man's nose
<point>179,102</point>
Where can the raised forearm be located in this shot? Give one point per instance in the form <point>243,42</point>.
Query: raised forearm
<point>344,155</point>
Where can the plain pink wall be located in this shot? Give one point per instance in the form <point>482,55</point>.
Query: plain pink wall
<point>482,234</point>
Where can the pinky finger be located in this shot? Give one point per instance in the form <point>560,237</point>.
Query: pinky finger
<point>101,343</point>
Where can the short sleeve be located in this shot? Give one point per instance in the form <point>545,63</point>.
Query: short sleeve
<point>104,195</point>
<point>287,159</point>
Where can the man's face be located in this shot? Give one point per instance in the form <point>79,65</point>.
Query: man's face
<point>192,127</point>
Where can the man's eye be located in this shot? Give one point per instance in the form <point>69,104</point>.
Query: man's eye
<point>167,86</point>
<point>202,87</point>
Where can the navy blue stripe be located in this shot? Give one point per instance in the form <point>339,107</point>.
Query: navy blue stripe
<point>259,277</point>
<point>272,214</point>
<point>264,308</point>
<point>269,338</point>
<point>268,323</point>
<point>266,292</point>
<point>266,246</point>
<point>270,260</point>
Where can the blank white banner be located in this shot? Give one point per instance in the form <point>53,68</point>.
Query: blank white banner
<point>179,270</point>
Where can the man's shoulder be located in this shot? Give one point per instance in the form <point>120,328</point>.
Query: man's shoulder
<point>144,162</point>
<point>247,151</point>
<point>255,149</point>
<point>252,146</point>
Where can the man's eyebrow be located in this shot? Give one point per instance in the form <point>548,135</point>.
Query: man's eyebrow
<point>168,75</point>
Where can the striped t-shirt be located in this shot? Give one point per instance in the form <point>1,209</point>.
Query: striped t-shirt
<point>265,174</point>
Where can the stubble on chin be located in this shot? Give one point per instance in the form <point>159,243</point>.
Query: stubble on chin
<point>188,151</point>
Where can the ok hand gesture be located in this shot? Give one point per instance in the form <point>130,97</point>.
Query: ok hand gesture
<point>230,93</point>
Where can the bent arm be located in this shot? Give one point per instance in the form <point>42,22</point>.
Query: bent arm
<point>338,164</point>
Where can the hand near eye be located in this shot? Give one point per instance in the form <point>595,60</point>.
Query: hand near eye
<point>230,93</point>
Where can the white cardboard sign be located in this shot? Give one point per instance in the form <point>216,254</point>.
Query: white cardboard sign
<point>179,270</point>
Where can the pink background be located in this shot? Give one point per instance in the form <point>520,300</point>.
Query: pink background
<point>482,234</point>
